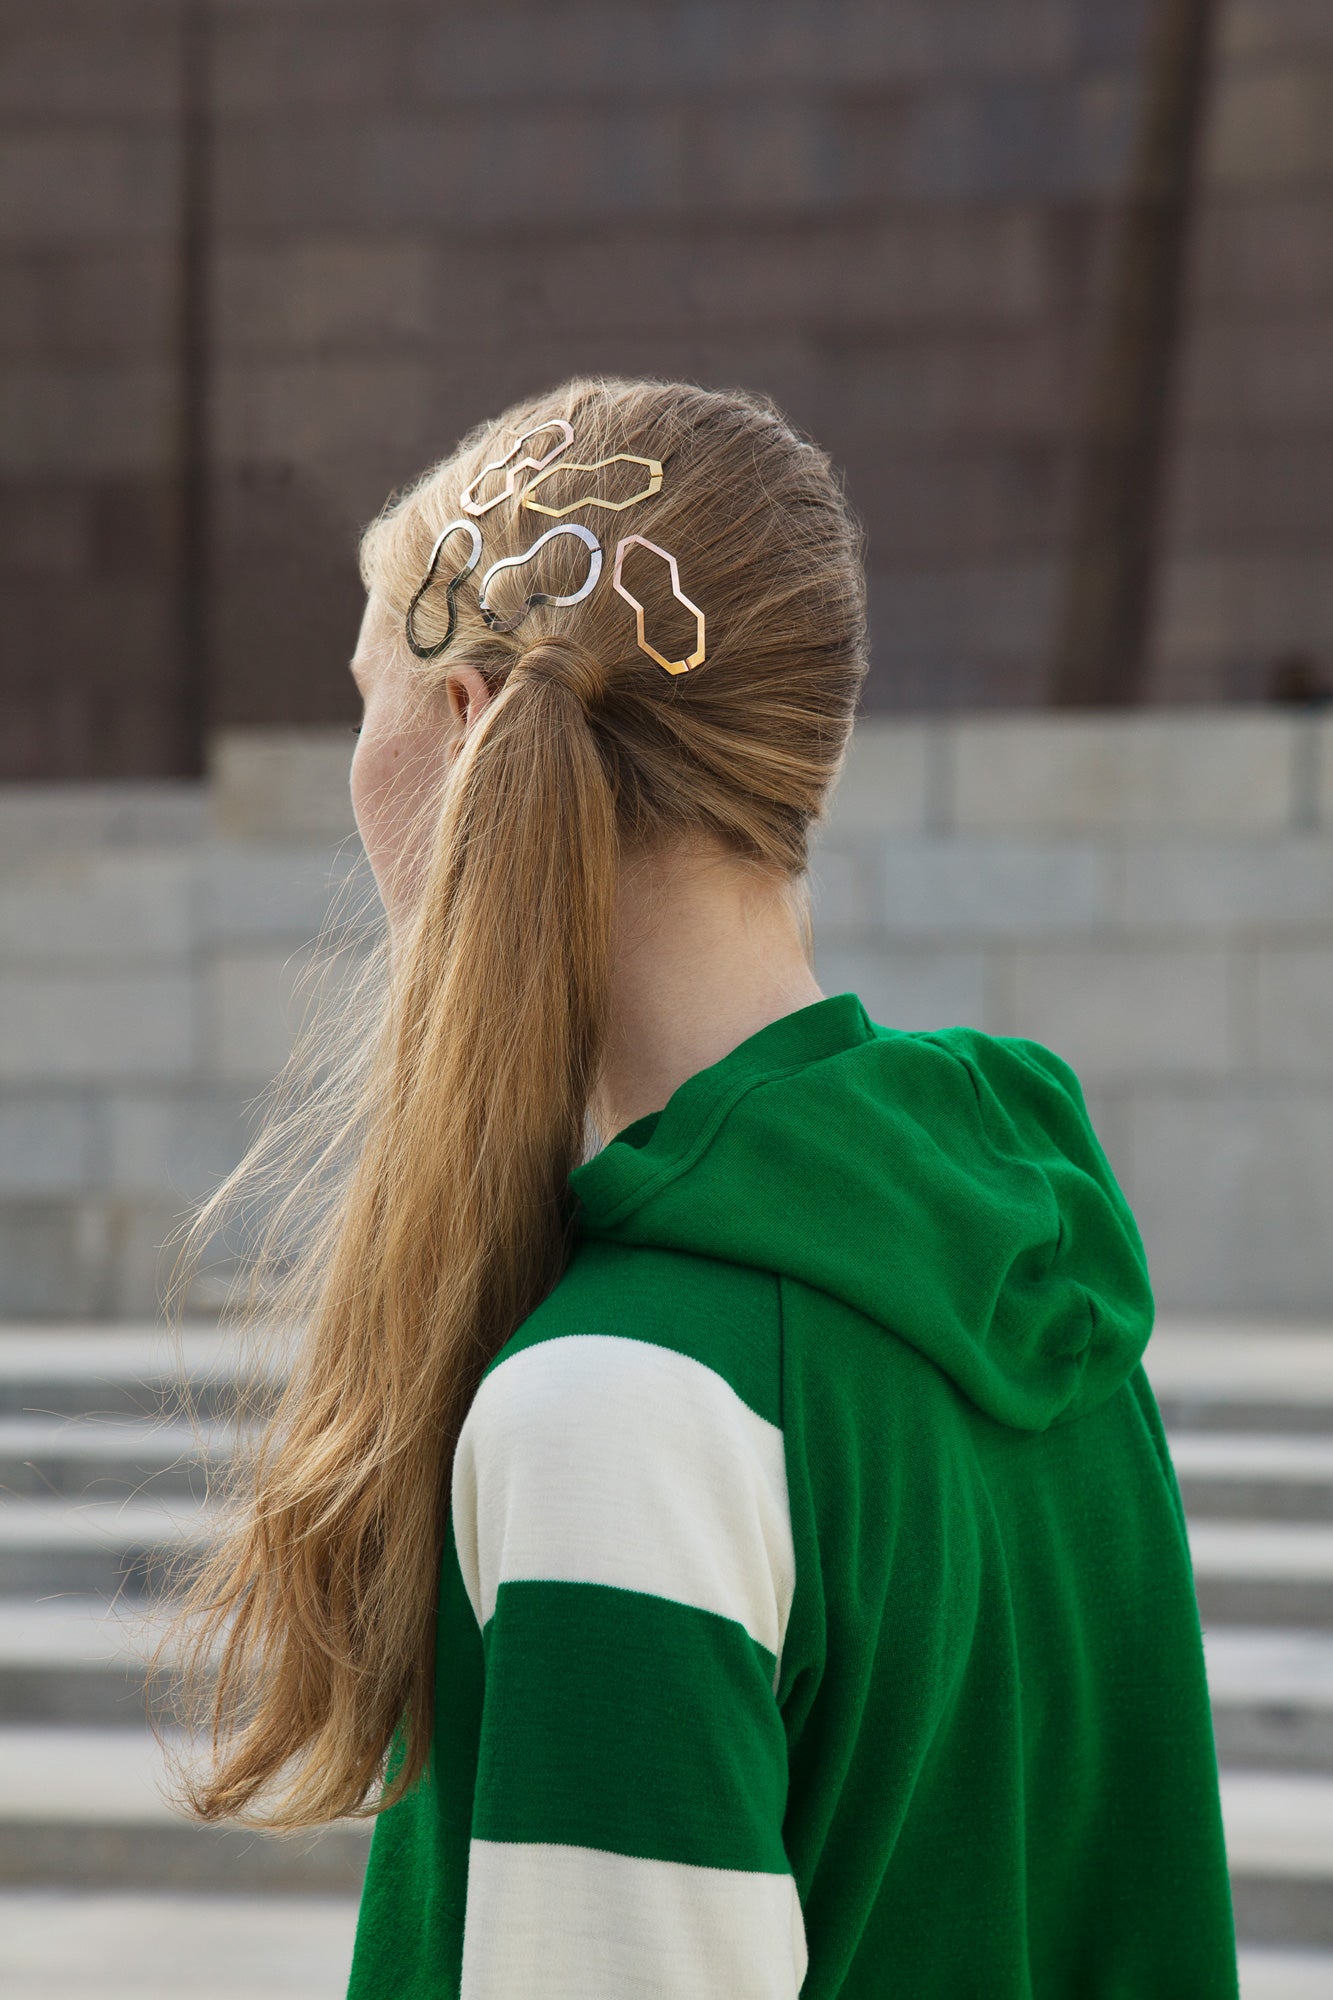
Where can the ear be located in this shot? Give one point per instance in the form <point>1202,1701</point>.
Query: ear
<point>468,695</point>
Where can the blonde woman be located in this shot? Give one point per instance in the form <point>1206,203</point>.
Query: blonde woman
<point>718,1519</point>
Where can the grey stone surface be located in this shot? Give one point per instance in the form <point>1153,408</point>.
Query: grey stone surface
<point>179,1141</point>
<point>1229,771</point>
<point>1295,1011</point>
<point>997,886</point>
<point>96,907</point>
<point>1120,1010</point>
<point>914,986</point>
<point>1192,881</point>
<point>1231,1186</point>
<point>60,1026</point>
<point>284,784</point>
<point>885,782</point>
<point>252,1009</point>
<point>40,820</point>
<point>1325,763</point>
<point>1151,896</point>
<point>247,891</point>
<point>55,1256</point>
<point>80,1944</point>
<point>46,1142</point>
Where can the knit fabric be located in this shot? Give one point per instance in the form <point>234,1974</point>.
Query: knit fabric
<point>816,1613</point>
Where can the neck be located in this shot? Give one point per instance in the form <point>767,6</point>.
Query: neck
<point>707,949</point>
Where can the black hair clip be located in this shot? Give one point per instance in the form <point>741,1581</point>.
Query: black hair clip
<point>432,652</point>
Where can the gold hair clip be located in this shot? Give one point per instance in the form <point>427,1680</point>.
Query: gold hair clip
<point>654,485</point>
<point>696,658</point>
<point>431,652</point>
<point>471,506</point>
<point>585,535</point>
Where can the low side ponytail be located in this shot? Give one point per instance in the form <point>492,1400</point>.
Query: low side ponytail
<point>505,974</point>
<point>432,1195</point>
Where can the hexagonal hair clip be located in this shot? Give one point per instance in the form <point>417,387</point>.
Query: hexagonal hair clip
<point>652,485</point>
<point>696,658</point>
<point>512,470</point>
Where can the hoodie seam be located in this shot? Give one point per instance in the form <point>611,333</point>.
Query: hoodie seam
<point>974,1077</point>
<point>707,1132</point>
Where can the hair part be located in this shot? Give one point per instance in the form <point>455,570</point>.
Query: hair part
<point>415,1169</point>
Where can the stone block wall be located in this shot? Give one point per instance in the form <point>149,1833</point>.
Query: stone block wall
<point>1150,895</point>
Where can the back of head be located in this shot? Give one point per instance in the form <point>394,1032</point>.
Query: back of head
<point>743,745</point>
<point>699,685</point>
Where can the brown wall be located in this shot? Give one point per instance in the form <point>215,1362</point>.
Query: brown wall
<point>890,214</point>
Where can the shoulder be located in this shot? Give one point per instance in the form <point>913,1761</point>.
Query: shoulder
<point>654,1315</point>
<point>629,1432</point>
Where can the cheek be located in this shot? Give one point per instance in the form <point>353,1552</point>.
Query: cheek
<point>375,767</point>
<point>388,775</point>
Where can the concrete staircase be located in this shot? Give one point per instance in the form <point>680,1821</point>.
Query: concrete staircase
<point>107,1893</point>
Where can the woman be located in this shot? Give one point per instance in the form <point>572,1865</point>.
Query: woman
<point>718,1518</point>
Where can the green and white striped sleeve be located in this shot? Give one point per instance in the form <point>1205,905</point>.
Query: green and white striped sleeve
<point>623,1530</point>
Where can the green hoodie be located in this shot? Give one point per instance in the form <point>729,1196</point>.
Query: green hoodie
<point>816,1613</point>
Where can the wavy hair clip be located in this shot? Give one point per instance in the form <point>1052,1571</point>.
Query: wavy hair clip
<point>585,535</point>
<point>459,576</point>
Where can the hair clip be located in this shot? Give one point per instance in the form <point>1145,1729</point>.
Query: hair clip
<point>471,506</point>
<point>585,535</point>
<point>654,485</point>
<point>431,652</point>
<point>696,658</point>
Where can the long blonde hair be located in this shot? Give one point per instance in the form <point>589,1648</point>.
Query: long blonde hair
<point>424,1206</point>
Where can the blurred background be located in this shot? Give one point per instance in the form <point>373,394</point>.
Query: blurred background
<point>1052,280</point>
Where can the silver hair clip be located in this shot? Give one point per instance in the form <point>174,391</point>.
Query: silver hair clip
<point>512,471</point>
<point>432,652</point>
<point>696,658</point>
<point>585,535</point>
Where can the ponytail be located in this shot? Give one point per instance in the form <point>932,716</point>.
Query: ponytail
<point>454,1228</point>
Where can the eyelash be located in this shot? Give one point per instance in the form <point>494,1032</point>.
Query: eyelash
<point>355,728</point>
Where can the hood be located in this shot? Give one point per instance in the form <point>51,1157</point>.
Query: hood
<point>946,1183</point>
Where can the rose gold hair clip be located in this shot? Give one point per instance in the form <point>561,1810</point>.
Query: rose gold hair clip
<point>512,471</point>
<point>696,658</point>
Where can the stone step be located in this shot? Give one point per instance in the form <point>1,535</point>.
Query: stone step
<point>100,1459</point>
<point>62,1944</point>
<point>1279,1834</point>
<point>76,1660</point>
<point>93,1547</point>
<point>1263,1572</point>
<point>1254,1474</point>
<point>77,1944</point>
<point>1244,1376</point>
<point>1272,1696</point>
<point>86,1805</point>
<point>1267,1972</point>
<point>121,1372</point>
